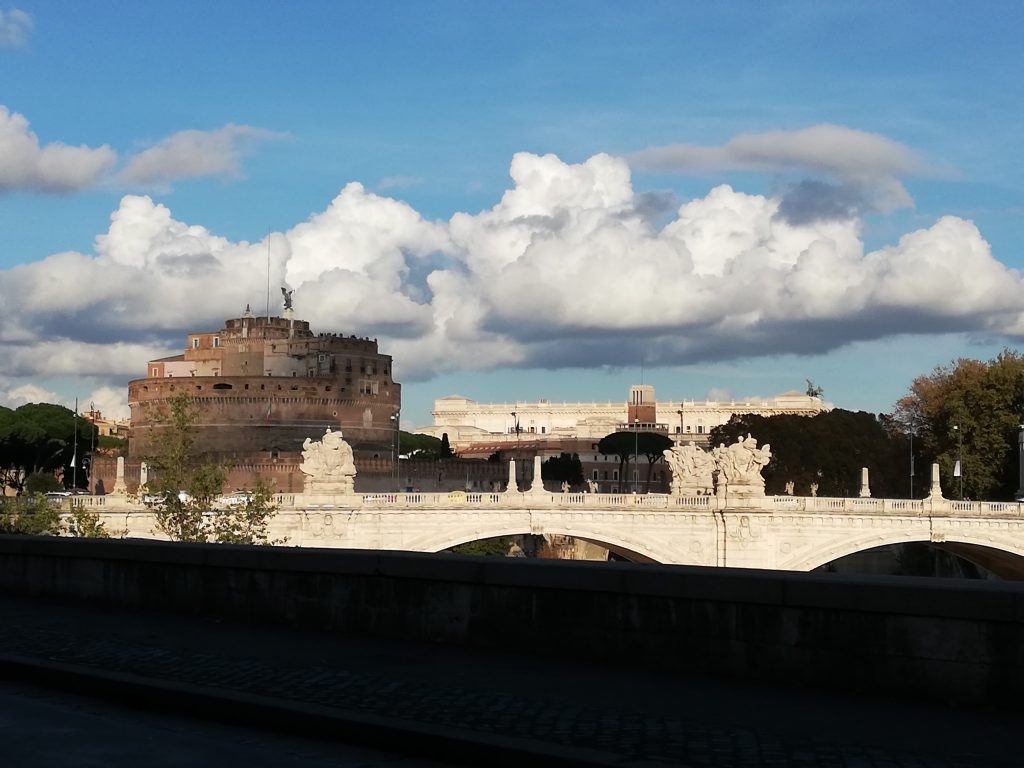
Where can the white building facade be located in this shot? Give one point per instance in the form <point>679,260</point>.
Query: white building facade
<point>468,422</point>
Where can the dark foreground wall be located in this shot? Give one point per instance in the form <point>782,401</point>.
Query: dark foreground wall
<point>951,641</point>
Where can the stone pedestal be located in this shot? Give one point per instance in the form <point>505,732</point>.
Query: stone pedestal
<point>513,484</point>
<point>323,488</point>
<point>120,487</point>
<point>537,486</point>
<point>935,492</point>
<point>865,488</point>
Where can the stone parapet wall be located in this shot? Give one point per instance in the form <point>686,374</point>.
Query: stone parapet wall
<point>374,473</point>
<point>933,639</point>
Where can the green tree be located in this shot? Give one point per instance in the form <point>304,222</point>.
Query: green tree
<point>974,409</point>
<point>498,546</point>
<point>31,515</point>
<point>40,437</point>
<point>827,450</point>
<point>111,444</point>
<point>248,523</point>
<point>42,482</point>
<point>622,445</point>
<point>186,490</point>
<point>446,449</point>
<point>564,468</point>
<point>85,524</point>
<point>626,445</point>
<point>420,446</point>
<point>653,445</point>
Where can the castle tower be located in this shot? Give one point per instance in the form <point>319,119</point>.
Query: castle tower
<point>264,384</point>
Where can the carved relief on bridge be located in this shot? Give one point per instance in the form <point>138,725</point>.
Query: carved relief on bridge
<point>328,465</point>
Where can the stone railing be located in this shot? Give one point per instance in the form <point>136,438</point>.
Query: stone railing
<point>397,502</point>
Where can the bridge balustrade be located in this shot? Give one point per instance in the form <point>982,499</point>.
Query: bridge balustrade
<point>399,501</point>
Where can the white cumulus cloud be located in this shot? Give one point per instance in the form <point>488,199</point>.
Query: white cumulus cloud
<point>52,168</point>
<point>193,154</point>
<point>868,167</point>
<point>565,270</point>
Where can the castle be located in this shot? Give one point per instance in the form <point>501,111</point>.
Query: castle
<point>262,385</point>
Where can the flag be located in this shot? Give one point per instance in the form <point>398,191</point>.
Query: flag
<point>956,469</point>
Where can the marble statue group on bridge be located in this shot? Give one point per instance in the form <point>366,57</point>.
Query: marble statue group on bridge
<point>328,464</point>
<point>733,470</point>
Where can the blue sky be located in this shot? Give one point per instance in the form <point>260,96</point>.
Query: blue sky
<point>864,125</point>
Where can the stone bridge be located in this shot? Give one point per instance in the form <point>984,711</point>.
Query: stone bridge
<point>773,532</point>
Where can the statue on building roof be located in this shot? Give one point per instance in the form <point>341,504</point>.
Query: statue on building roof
<point>287,297</point>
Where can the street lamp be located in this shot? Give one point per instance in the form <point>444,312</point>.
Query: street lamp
<point>396,453</point>
<point>960,458</point>
<point>911,461</point>
<point>1020,463</point>
<point>92,450</point>
<point>636,451</point>
<point>516,420</point>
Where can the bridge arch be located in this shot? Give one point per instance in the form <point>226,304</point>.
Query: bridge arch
<point>1000,555</point>
<point>640,549</point>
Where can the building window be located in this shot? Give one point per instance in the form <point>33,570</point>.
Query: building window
<point>195,343</point>
<point>543,430</point>
<point>216,341</point>
<point>615,475</point>
<point>595,474</point>
<point>700,429</point>
<point>156,372</point>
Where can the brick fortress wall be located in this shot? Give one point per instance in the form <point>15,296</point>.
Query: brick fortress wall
<point>261,386</point>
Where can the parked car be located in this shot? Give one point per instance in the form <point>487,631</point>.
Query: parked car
<point>156,498</point>
<point>59,495</point>
<point>239,498</point>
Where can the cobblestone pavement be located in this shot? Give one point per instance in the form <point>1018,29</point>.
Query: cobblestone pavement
<point>42,728</point>
<point>639,719</point>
